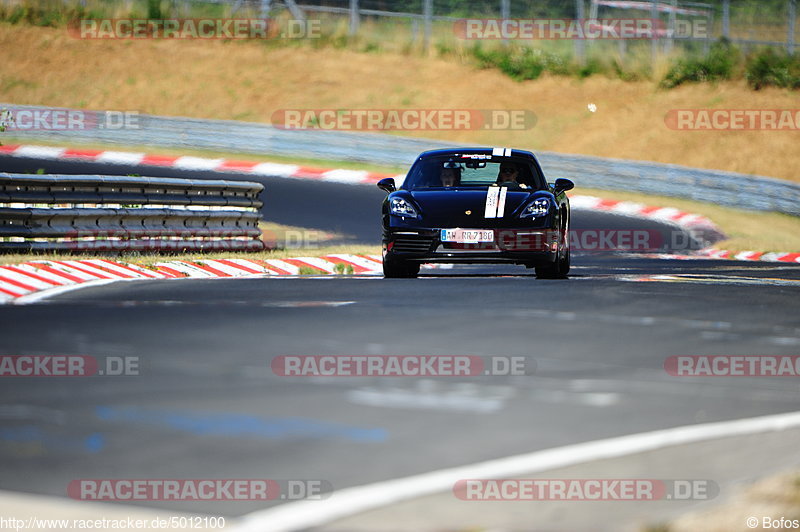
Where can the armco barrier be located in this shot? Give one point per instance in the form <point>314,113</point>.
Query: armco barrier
<point>725,188</point>
<point>69,212</point>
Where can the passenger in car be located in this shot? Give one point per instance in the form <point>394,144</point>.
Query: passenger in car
<point>450,176</point>
<point>508,173</point>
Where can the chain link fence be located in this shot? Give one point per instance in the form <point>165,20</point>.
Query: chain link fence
<point>745,22</point>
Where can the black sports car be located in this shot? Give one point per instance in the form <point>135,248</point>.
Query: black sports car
<point>471,205</point>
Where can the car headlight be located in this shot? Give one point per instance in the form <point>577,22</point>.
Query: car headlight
<point>401,207</point>
<point>538,207</point>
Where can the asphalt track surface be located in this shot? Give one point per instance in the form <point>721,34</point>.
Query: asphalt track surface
<point>207,405</point>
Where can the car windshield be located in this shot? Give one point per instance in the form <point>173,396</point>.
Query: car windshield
<point>472,170</point>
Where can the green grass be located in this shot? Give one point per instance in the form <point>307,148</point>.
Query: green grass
<point>723,62</point>
<point>773,68</point>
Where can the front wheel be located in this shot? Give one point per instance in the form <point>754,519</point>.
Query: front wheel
<point>399,269</point>
<point>558,269</point>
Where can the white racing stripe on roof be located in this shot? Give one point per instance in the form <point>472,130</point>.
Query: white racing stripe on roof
<point>497,152</point>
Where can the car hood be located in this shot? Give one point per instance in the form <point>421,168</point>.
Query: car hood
<point>467,207</point>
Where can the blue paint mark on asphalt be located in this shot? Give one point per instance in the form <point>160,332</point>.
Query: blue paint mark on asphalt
<point>92,443</point>
<point>230,424</point>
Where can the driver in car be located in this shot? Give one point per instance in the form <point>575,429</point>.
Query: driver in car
<point>508,173</point>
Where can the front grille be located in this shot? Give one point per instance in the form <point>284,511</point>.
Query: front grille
<point>410,244</point>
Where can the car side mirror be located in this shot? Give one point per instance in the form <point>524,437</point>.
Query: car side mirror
<point>562,185</point>
<point>387,184</point>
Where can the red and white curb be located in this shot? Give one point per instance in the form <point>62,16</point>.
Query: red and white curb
<point>694,224</point>
<point>36,279</point>
<point>685,220</point>
<point>268,169</point>
<point>761,256</point>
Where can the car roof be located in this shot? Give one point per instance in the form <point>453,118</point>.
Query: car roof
<point>497,152</point>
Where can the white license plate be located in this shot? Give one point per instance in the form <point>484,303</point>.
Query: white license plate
<point>467,236</point>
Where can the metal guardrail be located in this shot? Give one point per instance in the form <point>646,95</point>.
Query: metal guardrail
<point>747,192</point>
<point>67,212</point>
<point>724,188</point>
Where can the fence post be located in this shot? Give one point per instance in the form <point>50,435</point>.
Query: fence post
<point>427,13</point>
<point>266,5</point>
<point>792,19</point>
<point>653,40</point>
<point>726,19</point>
<point>669,42</point>
<point>296,12</point>
<point>580,52</point>
<point>354,18</point>
<point>505,13</point>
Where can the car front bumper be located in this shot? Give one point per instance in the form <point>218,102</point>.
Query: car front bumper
<point>511,245</point>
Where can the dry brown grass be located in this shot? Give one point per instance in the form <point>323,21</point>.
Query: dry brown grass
<point>773,497</point>
<point>249,81</point>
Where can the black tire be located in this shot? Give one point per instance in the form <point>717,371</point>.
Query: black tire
<point>560,268</point>
<point>399,269</point>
